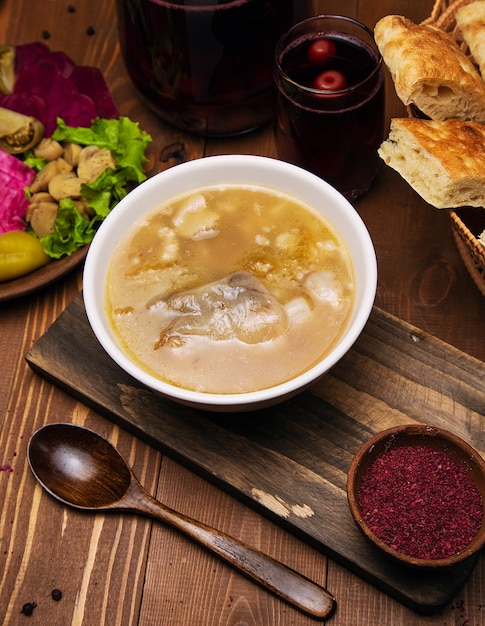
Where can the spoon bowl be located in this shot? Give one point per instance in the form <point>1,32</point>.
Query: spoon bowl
<point>82,469</point>
<point>78,467</point>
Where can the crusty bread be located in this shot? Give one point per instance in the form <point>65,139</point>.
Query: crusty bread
<point>430,71</point>
<point>443,161</point>
<point>471,22</point>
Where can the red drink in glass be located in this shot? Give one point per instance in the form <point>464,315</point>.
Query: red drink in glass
<point>330,101</point>
<point>204,65</point>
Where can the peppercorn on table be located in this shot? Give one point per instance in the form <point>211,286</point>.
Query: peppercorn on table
<point>69,567</point>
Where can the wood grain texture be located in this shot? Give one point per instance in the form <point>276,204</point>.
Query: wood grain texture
<point>296,454</point>
<point>82,469</point>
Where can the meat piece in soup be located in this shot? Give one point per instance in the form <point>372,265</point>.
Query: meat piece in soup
<point>236,307</point>
<point>230,289</point>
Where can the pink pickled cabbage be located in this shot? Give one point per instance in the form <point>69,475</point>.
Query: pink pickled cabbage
<point>15,176</point>
<point>49,85</point>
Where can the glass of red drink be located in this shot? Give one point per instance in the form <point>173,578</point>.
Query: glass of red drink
<point>330,101</point>
<point>204,66</point>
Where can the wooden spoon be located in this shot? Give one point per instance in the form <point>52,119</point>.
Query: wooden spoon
<point>82,469</point>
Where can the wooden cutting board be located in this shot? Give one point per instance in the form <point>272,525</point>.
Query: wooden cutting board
<point>290,462</point>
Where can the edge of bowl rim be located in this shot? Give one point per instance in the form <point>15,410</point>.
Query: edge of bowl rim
<point>261,396</point>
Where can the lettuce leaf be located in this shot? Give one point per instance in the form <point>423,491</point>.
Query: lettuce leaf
<point>36,163</point>
<point>107,190</point>
<point>122,136</point>
<point>127,144</point>
<point>71,231</point>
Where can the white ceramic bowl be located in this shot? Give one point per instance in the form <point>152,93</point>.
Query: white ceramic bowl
<point>215,170</point>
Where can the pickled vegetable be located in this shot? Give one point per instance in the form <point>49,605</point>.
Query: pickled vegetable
<point>18,132</point>
<point>20,254</point>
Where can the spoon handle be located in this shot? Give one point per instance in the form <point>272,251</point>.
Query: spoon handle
<point>275,577</point>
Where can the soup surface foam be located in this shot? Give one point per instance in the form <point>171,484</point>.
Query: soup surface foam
<point>230,289</point>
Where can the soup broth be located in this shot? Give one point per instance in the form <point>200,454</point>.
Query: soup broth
<point>230,289</point>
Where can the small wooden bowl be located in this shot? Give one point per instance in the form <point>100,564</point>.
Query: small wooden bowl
<point>417,435</point>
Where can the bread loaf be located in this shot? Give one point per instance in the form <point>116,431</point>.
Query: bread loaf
<point>471,22</point>
<point>430,71</point>
<point>443,161</point>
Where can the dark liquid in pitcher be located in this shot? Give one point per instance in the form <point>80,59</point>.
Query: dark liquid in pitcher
<point>336,136</point>
<point>204,66</point>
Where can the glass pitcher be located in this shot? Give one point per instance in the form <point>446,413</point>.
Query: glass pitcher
<point>204,66</point>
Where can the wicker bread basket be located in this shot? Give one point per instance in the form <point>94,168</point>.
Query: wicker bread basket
<point>471,250</point>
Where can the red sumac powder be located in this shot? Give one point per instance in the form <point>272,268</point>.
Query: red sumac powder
<point>420,502</point>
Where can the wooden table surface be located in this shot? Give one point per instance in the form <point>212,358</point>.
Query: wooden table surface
<point>125,570</point>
